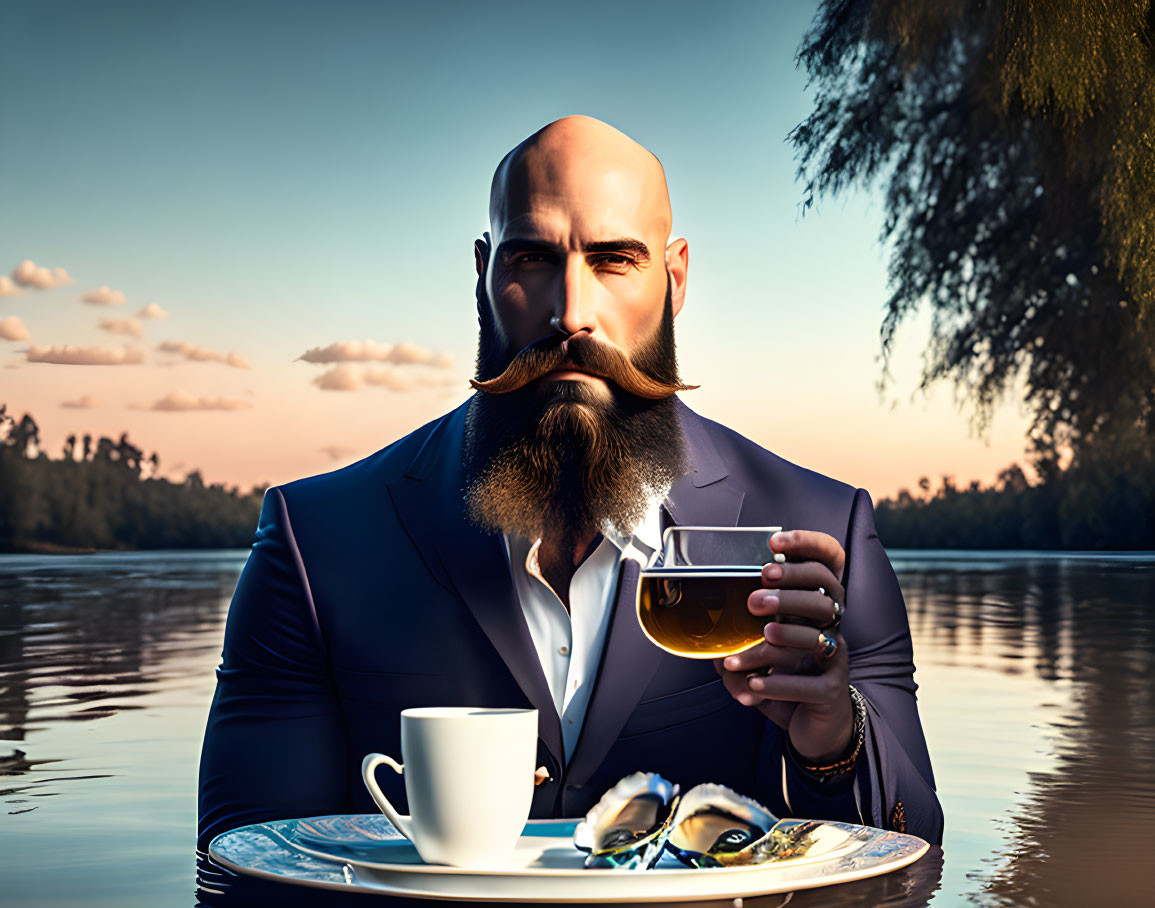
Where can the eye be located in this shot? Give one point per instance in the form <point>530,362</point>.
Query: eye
<point>533,258</point>
<point>614,260</point>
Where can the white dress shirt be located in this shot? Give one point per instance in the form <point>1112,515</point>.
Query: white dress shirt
<point>569,644</point>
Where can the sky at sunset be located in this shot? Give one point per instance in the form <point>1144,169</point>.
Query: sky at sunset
<point>243,232</point>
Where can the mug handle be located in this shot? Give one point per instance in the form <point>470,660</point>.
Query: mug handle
<point>368,766</point>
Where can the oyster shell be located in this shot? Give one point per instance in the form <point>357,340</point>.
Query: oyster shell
<point>714,826</point>
<point>627,828</point>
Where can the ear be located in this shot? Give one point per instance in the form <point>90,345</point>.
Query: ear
<point>481,253</point>
<point>481,250</point>
<point>677,261</point>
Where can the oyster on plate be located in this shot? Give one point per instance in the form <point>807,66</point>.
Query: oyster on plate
<point>628,827</point>
<point>714,826</point>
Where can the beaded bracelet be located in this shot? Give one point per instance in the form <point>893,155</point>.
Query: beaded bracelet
<point>846,764</point>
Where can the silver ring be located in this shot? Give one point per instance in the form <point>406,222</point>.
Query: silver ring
<point>828,646</point>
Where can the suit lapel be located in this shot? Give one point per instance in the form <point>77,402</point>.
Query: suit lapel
<point>471,563</point>
<point>702,497</point>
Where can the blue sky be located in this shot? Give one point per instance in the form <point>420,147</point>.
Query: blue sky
<point>282,176</point>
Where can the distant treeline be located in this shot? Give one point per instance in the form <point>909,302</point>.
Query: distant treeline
<point>97,495</point>
<point>1103,500</point>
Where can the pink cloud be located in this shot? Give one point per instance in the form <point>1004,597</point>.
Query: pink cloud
<point>388,377</point>
<point>339,378</point>
<point>8,286</point>
<point>345,377</point>
<point>347,351</point>
<point>12,328</point>
<point>435,380</point>
<point>406,353</point>
<point>103,296</point>
<point>85,402</point>
<point>363,351</point>
<point>152,310</point>
<point>129,326</point>
<point>182,401</point>
<point>200,354</point>
<point>29,274</point>
<point>67,355</point>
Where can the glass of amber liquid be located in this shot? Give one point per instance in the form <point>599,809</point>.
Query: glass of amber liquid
<point>692,596</point>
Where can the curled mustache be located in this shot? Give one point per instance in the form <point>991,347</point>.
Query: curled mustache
<point>583,354</point>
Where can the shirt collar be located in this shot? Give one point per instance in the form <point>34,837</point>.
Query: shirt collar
<point>646,538</point>
<point>640,545</point>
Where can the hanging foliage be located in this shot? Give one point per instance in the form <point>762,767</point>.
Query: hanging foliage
<point>1014,142</point>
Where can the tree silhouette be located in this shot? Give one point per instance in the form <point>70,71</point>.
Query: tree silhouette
<point>1106,500</point>
<point>103,500</point>
<point>1015,140</point>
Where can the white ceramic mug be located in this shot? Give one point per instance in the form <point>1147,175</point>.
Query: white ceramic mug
<point>469,778</point>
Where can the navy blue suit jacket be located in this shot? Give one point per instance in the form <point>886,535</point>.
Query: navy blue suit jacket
<point>367,591</point>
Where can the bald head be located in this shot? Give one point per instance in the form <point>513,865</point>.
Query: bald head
<point>581,160</point>
<point>578,243</point>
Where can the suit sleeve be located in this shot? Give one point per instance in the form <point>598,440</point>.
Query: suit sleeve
<point>893,777</point>
<point>893,786</point>
<point>274,745</point>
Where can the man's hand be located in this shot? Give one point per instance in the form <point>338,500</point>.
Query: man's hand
<point>804,693</point>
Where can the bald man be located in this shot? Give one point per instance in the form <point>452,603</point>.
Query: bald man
<point>491,557</point>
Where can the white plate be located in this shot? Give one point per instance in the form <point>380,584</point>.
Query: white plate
<point>363,853</point>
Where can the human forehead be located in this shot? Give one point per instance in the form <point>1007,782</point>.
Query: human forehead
<point>566,229</point>
<point>563,195</point>
<point>565,220</point>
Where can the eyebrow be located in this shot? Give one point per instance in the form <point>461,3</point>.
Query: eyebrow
<point>513,246</point>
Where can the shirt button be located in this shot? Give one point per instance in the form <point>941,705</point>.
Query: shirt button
<point>564,650</point>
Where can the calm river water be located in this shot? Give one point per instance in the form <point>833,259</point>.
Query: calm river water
<point>1036,695</point>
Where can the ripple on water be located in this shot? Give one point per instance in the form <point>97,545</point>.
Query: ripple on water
<point>1035,693</point>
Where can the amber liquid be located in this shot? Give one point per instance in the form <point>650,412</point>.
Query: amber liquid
<point>700,614</point>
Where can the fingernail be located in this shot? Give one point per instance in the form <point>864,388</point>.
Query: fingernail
<point>772,571</point>
<point>731,663</point>
<point>769,600</point>
<point>755,683</point>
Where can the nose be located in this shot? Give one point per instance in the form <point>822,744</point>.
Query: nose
<point>575,310</point>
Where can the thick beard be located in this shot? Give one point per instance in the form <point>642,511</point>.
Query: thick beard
<point>578,463</point>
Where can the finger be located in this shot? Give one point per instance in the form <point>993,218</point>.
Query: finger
<point>762,602</point>
<point>799,636</point>
<point>761,657</point>
<point>735,684</point>
<point>806,605</point>
<point>804,575</point>
<point>796,688</point>
<point>810,545</point>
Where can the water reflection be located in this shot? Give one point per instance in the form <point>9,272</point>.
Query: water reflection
<point>1035,693</point>
<point>84,638</point>
<point>1083,631</point>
